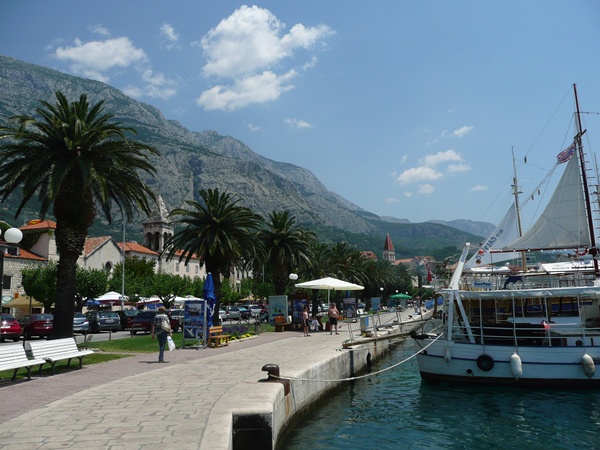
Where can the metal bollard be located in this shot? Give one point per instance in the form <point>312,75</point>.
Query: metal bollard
<point>273,374</point>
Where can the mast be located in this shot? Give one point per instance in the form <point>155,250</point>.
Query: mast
<point>516,193</point>
<point>588,204</point>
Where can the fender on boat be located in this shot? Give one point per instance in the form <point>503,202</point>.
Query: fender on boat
<point>516,366</point>
<point>485,362</point>
<point>589,368</point>
<point>447,354</point>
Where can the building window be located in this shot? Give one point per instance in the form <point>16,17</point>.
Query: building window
<point>197,267</point>
<point>6,281</point>
<point>187,268</point>
<point>176,267</point>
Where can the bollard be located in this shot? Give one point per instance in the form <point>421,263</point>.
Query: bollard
<point>273,374</point>
<point>109,335</point>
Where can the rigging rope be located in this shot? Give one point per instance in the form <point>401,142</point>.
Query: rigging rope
<point>336,380</point>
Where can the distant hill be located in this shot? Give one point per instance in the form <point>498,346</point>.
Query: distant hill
<point>191,160</point>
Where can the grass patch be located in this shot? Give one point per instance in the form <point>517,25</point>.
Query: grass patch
<point>61,366</point>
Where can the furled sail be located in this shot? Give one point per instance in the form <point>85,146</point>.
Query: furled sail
<point>563,224</point>
<point>506,232</point>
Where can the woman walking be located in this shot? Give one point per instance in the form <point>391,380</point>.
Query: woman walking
<point>161,328</point>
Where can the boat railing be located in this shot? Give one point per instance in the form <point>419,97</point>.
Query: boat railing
<point>531,334</point>
<point>526,281</point>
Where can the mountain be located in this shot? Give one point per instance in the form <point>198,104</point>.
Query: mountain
<point>192,160</point>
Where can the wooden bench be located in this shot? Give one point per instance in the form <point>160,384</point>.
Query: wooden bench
<point>56,350</point>
<point>281,324</point>
<point>215,335</point>
<point>14,357</point>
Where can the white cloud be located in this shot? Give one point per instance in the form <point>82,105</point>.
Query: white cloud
<point>426,189</point>
<point>168,32</point>
<point>462,131</point>
<point>417,174</point>
<point>408,194</point>
<point>99,29</point>
<point>458,168</point>
<point>479,187</point>
<point>94,58</point>
<point>440,157</point>
<point>247,47</point>
<point>245,91</point>
<point>253,127</point>
<point>389,201</point>
<point>297,123</point>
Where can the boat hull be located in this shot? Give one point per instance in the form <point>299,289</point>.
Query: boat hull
<point>475,364</point>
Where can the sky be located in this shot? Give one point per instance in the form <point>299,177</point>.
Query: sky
<point>407,109</point>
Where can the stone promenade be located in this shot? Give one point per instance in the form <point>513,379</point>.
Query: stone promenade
<point>137,403</point>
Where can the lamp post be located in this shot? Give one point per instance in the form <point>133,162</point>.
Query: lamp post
<point>12,236</point>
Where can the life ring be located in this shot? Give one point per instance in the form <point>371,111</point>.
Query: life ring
<point>485,362</point>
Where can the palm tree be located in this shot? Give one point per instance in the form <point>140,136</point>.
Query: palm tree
<point>219,231</point>
<point>286,247</point>
<point>76,160</point>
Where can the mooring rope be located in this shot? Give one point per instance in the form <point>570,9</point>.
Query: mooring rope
<point>281,377</point>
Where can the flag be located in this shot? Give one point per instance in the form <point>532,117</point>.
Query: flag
<point>429,275</point>
<point>566,154</point>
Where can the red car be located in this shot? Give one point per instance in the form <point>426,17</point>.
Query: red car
<point>9,328</point>
<point>36,325</point>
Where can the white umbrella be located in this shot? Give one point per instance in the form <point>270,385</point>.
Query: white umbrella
<point>111,297</point>
<point>330,284</point>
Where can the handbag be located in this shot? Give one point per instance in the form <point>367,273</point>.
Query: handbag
<point>170,343</point>
<point>166,325</point>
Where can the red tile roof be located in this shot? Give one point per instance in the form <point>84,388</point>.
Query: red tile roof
<point>93,243</point>
<point>41,225</point>
<point>388,246</point>
<point>136,248</point>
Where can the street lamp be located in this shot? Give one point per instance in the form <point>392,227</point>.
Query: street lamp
<point>12,236</point>
<point>293,276</point>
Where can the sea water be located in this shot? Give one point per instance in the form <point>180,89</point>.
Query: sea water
<point>396,410</point>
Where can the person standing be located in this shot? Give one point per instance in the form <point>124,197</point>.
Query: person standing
<point>305,320</point>
<point>161,328</point>
<point>333,315</point>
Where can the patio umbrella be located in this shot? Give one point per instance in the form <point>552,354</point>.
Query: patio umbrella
<point>208,293</point>
<point>396,296</point>
<point>330,284</point>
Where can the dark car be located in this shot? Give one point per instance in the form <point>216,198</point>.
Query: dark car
<point>126,316</point>
<point>36,325</point>
<point>178,315</point>
<point>143,320</point>
<point>103,321</point>
<point>9,328</point>
<point>81,324</point>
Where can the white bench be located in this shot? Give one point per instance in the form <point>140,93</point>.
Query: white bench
<point>55,350</point>
<point>14,357</point>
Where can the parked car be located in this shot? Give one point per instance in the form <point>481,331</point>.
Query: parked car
<point>233,313</point>
<point>143,320</point>
<point>9,328</point>
<point>222,314</point>
<point>103,321</point>
<point>178,315</point>
<point>244,312</point>
<point>255,310</point>
<point>126,317</point>
<point>36,325</point>
<point>81,324</point>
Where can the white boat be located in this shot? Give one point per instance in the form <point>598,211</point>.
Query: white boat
<point>532,328</point>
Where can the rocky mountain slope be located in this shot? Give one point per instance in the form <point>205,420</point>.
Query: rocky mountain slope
<point>193,160</point>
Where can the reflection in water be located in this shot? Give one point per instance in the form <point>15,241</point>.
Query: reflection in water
<point>396,410</point>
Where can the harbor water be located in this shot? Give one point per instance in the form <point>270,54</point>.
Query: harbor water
<point>395,410</point>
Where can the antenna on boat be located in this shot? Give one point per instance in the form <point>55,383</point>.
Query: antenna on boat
<point>593,250</point>
<point>516,193</point>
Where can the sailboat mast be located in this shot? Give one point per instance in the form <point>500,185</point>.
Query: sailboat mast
<point>516,193</point>
<point>586,192</point>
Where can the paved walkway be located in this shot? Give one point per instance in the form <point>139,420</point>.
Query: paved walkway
<point>137,403</point>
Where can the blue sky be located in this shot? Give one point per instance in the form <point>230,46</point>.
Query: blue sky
<point>408,109</point>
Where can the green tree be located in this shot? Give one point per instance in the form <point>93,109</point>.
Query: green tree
<point>139,273</point>
<point>218,230</point>
<point>286,247</point>
<point>90,283</point>
<point>39,282</point>
<point>75,160</point>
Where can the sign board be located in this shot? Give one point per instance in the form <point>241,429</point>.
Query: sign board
<point>6,298</point>
<point>375,303</point>
<point>194,322</point>
<point>350,307</point>
<point>482,285</point>
<point>297,309</point>
<point>278,306</point>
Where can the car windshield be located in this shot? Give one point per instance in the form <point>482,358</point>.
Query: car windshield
<point>145,315</point>
<point>42,317</point>
<point>79,316</point>
<point>108,314</point>
<point>7,317</point>
<point>130,312</point>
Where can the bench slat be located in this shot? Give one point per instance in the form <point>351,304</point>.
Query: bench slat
<point>14,357</point>
<point>57,350</point>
